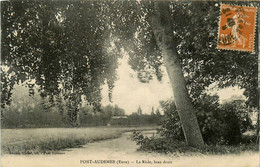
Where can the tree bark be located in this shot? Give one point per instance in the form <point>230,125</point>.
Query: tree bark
<point>163,32</point>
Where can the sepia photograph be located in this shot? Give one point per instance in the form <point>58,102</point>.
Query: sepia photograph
<point>130,83</point>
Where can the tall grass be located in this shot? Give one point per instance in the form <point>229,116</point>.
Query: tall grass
<point>53,140</point>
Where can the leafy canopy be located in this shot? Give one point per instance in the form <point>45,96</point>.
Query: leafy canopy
<point>71,49</point>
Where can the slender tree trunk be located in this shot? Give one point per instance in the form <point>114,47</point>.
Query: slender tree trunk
<point>73,113</point>
<point>163,32</point>
<point>73,107</point>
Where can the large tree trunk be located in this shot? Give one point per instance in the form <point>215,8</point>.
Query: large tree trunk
<point>163,32</point>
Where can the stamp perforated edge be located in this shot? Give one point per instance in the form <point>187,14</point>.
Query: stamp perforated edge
<point>256,25</point>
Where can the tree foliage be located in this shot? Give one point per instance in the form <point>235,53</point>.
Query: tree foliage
<point>195,32</point>
<point>63,47</point>
<point>70,49</point>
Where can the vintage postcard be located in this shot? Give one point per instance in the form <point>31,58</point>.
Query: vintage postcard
<point>129,83</point>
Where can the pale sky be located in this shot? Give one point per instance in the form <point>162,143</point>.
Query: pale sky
<point>129,92</point>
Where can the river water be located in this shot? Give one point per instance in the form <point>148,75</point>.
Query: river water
<point>121,152</point>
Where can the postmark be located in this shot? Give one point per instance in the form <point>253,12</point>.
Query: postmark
<point>237,28</point>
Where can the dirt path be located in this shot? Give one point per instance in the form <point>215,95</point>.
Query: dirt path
<point>122,152</point>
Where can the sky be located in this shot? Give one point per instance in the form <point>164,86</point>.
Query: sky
<point>129,93</point>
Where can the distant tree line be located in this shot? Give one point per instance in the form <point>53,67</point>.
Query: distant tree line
<point>36,115</point>
<point>138,119</point>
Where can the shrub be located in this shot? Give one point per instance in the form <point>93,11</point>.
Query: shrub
<point>219,124</point>
<point>171,125</point>
<point>180,148</point>
<point>162,145</point>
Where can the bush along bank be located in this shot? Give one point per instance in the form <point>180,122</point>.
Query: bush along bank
<point>222,126</point>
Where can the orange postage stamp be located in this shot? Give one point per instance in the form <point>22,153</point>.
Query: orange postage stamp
<point>237,28</point>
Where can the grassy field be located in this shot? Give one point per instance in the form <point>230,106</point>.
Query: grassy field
<point>53,140</point>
